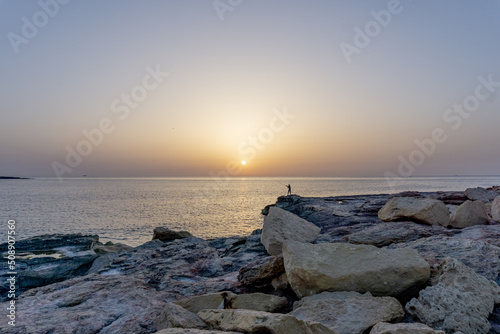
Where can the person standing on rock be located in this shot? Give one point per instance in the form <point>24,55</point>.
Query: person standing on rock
<point>289,189</point>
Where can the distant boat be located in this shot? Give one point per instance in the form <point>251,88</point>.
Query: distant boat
<point>84,175</point>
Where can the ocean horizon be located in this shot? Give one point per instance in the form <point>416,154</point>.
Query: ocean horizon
<point>126,210</point>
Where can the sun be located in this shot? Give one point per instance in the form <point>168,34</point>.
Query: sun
<point>243,162</point>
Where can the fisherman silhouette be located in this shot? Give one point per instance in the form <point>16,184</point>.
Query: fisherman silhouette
<point>289,189</point>
<point>227,303</point>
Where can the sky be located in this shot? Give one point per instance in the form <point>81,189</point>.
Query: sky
<point>294,88</point>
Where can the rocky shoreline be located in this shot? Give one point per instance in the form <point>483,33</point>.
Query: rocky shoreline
<point>404,263</point>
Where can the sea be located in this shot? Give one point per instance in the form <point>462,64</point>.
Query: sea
<point>126,210</point>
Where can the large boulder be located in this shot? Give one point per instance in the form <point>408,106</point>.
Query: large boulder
<point>281,225</point>
<point>175,316</point>
<point>469,213</point>
<point>478,255</point>
<point>352,315</point>
<point>344,267</point>
<point>165,234</point>
<point>413,328</point>
<point>480,194</point>
<point>457,300</point>
<point>261,272</point>
<point>421,210</point>
<point>260,322</point>
<point>495,209</point>
<point>253,301</point>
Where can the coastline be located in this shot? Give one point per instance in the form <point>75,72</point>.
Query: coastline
<point>14,178</point>
<point>127,210</point>
<point>180,266</point>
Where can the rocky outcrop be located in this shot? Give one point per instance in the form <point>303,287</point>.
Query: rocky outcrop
<point>260,322</point>
<point>130,290</point>
<point>414,328</point>
<point>90,304</point>
<point>458,300</point>
<point>344,267</point>
<point>352,315</point>
<point>64,244</point>
<point>421,210</point>
<point>469,213</point>
<point>174,316</point>
<point>495,209</point>
<point>281,225</point>
<point>480,194</point>
<point>480,256</point>
<point>165,234</point>
<point>253,301</point>
<point>48,259</point>
<point>262,271</point>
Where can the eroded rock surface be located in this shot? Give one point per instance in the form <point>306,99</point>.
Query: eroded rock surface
<point>458,300</point>
<point>484,258</point>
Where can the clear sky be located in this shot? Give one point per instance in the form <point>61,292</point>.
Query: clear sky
<point>293,87</point>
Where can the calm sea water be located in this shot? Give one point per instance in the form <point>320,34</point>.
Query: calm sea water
<point>127,210</point>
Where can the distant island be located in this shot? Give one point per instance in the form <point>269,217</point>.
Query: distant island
<point>13,178</point>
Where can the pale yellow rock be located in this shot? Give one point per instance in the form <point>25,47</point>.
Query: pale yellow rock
<point>415,328</point>
<point>312,269</point>
<point>469,213</point>
<point>495,209</point>
<point>253,301</point>
<point>349,315</point>
<point>421,210</point>
<point>175,316</point>
<point>458,300</point>
<point>280,225</point>
<point>248,321</point>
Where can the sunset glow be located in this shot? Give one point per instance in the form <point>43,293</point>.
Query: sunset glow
<point>135,98</point>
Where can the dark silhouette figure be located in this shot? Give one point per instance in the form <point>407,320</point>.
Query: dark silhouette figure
<point>227,302</point>
<point>289,189</point>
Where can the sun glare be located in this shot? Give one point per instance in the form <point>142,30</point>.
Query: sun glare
<point>243,162</point>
